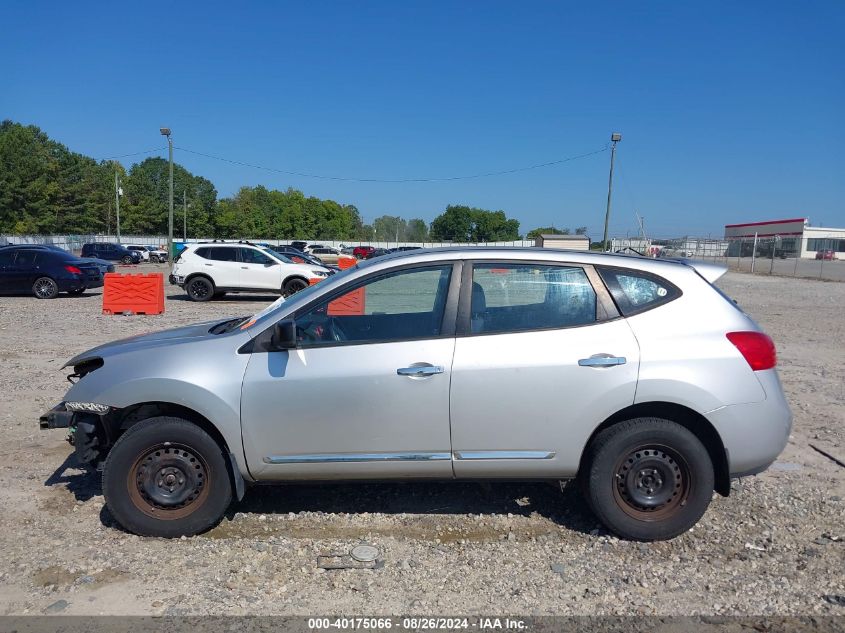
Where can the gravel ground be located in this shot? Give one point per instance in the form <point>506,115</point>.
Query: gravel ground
<point>776,546</point>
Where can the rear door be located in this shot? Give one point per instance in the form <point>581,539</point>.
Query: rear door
<point>222,265</point>
<point>542,358</point>
<point>24,270</point>
<point>6,258</point>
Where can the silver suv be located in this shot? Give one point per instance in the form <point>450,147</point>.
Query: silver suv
<point>634,375</point>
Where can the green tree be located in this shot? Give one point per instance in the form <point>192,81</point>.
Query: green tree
<point>460,223</point>
<point>581,230</point>
<point>390,228</point>
<point>417,231</point>
<point>533,234</point>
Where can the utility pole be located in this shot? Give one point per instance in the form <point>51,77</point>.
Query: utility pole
<point>614,138</point>
<point>165,131</point>
<point>117,201</point>
<point>184,216</point>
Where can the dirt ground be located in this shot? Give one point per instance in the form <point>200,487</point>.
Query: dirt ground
<point>776,546</point>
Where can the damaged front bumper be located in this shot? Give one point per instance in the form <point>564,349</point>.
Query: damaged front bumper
<point>86,433</point>
<point>56,418</point>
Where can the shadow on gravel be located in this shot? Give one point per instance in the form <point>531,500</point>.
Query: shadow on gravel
<point>83,484</point>
<point>566,508</point>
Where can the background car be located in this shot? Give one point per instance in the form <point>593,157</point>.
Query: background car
<point>208,270</point>
<point>361,252</point>
<point>297,256</point>
<point>149,253</point>
<point>45,272</point>
<point>299,245</point>
<point>827,254</point>
<point>376,252</point>
<point>111,252</point>
<point>327,254</point>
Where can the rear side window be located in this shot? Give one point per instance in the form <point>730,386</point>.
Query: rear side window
<point>221,254</point>
<point>637,291</point>
<point>26,258</point>
<point>522,297</point>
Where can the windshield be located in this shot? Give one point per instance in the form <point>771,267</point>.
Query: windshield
<point>277,255</point>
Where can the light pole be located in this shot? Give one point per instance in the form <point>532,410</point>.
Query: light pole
<point>117,194</point>
<point>165,131</point>
<point>615,138</point>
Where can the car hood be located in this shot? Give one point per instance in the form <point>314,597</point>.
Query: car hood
<point>147,341</point>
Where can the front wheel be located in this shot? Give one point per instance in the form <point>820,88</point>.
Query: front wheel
<point>200,289</point>
<point>648,479</point>
<point>166,477</point>
<point>127,260</point>
<point>292,286</point>
<point>45,288</point>
<point>154,259</point>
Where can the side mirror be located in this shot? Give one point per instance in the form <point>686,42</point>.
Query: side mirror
<point>284,335</point>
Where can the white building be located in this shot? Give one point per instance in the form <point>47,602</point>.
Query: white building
<point>795,236</point>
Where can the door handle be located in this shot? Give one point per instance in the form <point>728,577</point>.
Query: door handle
<point>422,370</point>
<point>211,265</point>
<point>602,361</point>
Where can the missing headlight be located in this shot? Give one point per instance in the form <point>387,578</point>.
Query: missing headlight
<point>84,368</point>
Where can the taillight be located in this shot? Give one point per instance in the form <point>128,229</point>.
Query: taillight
<point>756,348</point>
<point>73,270</point>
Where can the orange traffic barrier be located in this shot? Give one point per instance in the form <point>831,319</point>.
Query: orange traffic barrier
<point>352,303</point>
<point>346,261</point>
<point>138,294</point>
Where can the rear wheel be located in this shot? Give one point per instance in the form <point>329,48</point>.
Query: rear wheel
<point>166,477</point>
<point>45,288</point>
<point>292,286</point>
<point>648,479</point>
<point>200,289</point>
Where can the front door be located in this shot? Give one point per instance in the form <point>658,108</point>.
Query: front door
<point>259,271</point>
<point>366,392</point>
<point>545,360</point>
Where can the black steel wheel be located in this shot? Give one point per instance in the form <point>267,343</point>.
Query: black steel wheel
<point>200,289</point>
<point>45,288</point>
<point>648,479</point>
<point>166,477</point>
<point>292,286</point>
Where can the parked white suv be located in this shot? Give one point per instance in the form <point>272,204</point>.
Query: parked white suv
<point>208,270</point>
<point>148,253</point>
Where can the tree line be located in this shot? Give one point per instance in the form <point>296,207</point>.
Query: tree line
<point>45,188</point>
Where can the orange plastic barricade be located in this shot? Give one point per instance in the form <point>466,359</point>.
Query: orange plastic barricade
<point>314,280</point>
<point>350,304</point>
<point>346,261</point>
<point>139,294</point>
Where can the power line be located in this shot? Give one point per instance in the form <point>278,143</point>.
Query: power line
<point>398,180</point>
<point>149,151</point>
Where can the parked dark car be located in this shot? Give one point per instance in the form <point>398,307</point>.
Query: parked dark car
<point>300,246</point>
<point>828,254</point>
<point>298,257</point>
<point>111,252</point>
<point>402,249</point>
<point>362,252</point>
<point>377,252</point>
<point>45,272</point>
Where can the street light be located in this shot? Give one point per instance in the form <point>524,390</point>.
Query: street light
<point>165,131</point>
<point>615,138</point>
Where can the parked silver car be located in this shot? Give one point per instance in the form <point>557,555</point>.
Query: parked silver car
<point>635,375</point>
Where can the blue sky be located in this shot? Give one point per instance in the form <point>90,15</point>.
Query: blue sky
<point>730,111</point>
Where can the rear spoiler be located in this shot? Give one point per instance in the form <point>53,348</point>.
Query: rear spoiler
<point>711,272</point>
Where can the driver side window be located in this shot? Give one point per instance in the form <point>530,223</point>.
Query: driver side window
<point>402,305</point>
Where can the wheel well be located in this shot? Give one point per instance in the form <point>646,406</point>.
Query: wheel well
<point>292,277</point>
<point>139,412</point>
<point>689,419</point>
<point>195,275</point>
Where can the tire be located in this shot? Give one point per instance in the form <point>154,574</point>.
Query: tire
<point>154,259</point>
<point>199,289</point>
<point>45,288</point>
<point>127,260</point>
<point>292,286</point>
<point>156,452</point>
<point>630,471</point>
